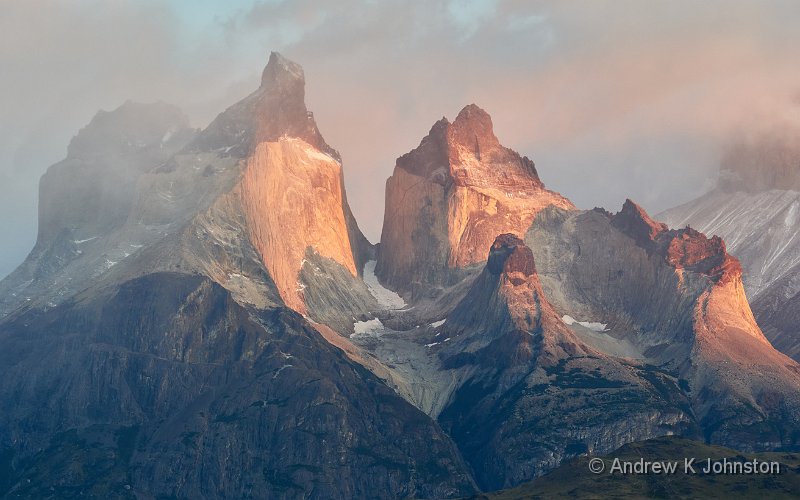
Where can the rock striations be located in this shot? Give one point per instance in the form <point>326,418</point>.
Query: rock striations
<point>213,324</point>
<point>449,198</point>
<point>536,393</point>
<point>756,208</point>
<point>258,188</point>
<point>674,300</point>
<point>172,335</point>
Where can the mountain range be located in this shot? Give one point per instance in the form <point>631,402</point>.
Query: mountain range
<point>201,317</point>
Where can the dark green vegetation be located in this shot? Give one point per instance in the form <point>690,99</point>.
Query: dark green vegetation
<point>574,480</point>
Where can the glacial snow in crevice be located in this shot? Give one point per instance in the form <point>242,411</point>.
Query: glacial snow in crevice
<point>594,326</point>
<point>370,328</point>
<point>385,297</point>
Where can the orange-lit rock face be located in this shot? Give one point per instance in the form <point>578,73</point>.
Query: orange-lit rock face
<point>722,315</point>
<point>291,186</point>
<point>519,286</point>
<point>684,248</point>
<point>689,249</point>
<point>451,197</point>
<point>292,196</point>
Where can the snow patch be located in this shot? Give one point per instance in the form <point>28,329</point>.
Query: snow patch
<point>316,154</point>
<point>372,327</point>
<point>593,326</point>
<point>78,242</point>
<point>385,297</point>
<point>280,370</point>
<point>437,324</point>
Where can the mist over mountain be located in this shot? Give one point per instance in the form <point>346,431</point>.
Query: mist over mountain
<point>755,208</point>
<point>632,100</point>
<point>225,291</point>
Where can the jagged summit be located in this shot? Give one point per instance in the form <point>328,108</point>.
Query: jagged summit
<point>684,248</point>
<point>467,141</point>
<point>450,197</point>
<point>132,127</point>
<point>509,254</point>
<point>634,221</point>
<point>504,300</point>
<point>281,71</point>
<point>276,109</point>
<point>473,128</point>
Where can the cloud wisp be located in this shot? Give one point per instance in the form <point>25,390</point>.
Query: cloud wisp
<point>612,99</point>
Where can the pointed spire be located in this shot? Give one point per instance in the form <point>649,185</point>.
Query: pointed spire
<point>282,72</point>
<point>473,128</point>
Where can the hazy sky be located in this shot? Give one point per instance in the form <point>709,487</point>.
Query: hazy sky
<point>611,99</point>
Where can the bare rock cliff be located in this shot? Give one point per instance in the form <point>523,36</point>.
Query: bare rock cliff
<point>292,186</point>
<point>672,298</point>
<point>450,197</point>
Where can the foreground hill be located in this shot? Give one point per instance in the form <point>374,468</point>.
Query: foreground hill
<point>574,480</point>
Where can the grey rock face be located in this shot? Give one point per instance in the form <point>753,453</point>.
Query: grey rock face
<point>536,394</point>
<point>777,311</point>
<point>677,308</point>
<point>91,193</point>
<point>191,395</point>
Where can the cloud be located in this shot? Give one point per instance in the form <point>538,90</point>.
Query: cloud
<point>611,98</point>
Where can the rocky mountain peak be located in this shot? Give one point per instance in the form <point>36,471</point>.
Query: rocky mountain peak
<point>280,71</point>
<point>129,129</point>
<point>276,109</point>
<point>634,221</point>
<point>509,254</point>
<point>690,249</point>
<point>505,297</point>
<point>473,129</point>
<point>450,197</point>
<point>684,248</point>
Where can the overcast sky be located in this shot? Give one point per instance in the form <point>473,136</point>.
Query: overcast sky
<point>611,99</point>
